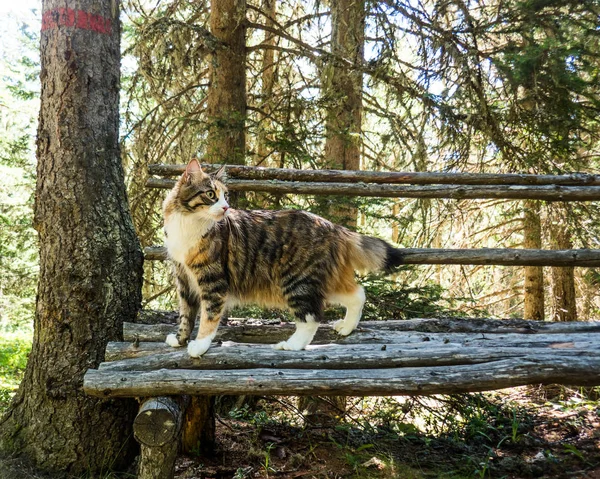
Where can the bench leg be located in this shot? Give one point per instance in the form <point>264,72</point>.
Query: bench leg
<point>157,462</point>
<point>157,428</point>
<point>198,436</point>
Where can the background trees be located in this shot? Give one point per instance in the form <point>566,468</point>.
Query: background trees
<point>432,86</point>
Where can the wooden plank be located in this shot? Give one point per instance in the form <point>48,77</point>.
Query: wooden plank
<point>392,177</point>
<point>378,332</point>
<point>484,256</point>
<point>457,192</point>
<point>512,372</point>
<point>424,325</point>
<point>116,351</point>
<point>334,356</point>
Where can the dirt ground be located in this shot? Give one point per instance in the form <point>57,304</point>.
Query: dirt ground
<point>519,433</point>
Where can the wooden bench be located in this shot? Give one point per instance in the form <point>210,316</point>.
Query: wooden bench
<point>412,357</point>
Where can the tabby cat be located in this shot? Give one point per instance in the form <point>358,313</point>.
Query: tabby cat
<point>289,258</point>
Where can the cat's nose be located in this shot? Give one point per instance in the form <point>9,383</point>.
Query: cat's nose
<point>225,208</point>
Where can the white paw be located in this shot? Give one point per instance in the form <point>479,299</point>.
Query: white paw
<point>172,341</point>
<point>198,347</point>
<point>289,346</point>
<point>343,328</point>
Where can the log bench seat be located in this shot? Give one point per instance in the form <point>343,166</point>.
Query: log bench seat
<point>412,357</point>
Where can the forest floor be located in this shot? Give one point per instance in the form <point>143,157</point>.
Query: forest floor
<point>518,433</point>
<point>526,432</point>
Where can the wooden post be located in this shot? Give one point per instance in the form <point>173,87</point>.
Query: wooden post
<point>198,436</point>
<point>156,428</point>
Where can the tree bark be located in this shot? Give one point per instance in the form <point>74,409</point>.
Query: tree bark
<point>90,258</point>
<point>534,275</point>
<point>564,307</point>
<point>226,104</point>
<point>157,462</point>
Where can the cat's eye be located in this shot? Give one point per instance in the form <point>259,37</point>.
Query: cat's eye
<point>210,194</point>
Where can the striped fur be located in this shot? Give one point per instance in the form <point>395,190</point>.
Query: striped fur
<point>289,258</point>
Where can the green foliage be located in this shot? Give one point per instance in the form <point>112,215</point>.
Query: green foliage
<point>18,246</point>
<point>14,351</point>
<point>390,299</point>
<point>551,67</point>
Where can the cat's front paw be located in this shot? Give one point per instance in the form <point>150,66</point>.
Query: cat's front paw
<point>343,327</point>
<point>198,347</point>
<point>173,341</point>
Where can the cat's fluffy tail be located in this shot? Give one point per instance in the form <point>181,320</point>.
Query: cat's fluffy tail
<point>373,254</point>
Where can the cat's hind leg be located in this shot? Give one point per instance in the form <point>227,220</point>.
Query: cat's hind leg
<point>308,309</point>
<point>353,302</point>
<point>305,332</point>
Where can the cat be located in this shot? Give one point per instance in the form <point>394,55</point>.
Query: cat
<point>223,257</point>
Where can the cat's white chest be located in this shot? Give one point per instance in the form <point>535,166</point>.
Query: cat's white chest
<point>183,233</point>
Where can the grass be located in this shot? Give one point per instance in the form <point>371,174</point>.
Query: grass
<point>14,350</point>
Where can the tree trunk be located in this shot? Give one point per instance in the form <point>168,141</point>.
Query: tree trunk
<point>343,90</point>
<point>534,275</point>
<point>226,143</point>
<point>226,105</point>
<point>90,259</point>
<point>268,78</point>
<point>564,307</point>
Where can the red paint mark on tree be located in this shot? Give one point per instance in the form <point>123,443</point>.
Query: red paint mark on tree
<point>83,20</point>
<point>67,17</point>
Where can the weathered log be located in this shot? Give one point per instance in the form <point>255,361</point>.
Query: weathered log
<point>483,256</point>
<point>117,351</point>
<point>424,325</point>
<point>368,331</point>
<point>157,427</point>
<point>158,421</point>
<point>457,192</point>
<point>355,356</point>
<point>392,177</point>
<point>157,462</point>
<point>363,382</point>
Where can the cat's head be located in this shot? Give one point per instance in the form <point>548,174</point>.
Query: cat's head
<point>198,193</point>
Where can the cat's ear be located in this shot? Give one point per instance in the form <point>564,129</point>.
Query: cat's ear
<point>192,167</point>
<point>220,173</point>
